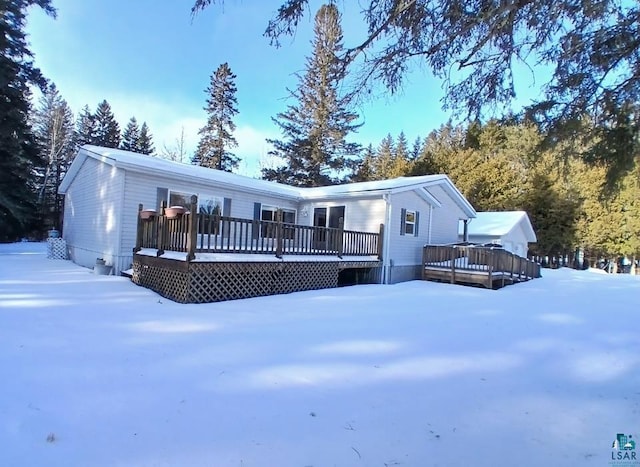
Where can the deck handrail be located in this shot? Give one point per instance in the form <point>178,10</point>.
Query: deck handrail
<point>473,258</point>
<point>215,233</point>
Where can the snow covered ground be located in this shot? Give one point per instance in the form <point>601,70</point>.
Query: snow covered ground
<point>95,371</point>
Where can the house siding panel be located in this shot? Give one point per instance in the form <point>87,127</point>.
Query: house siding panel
<point>405,251</point>
<point>519,239</point>
<point>444,228</point>
<point>92,214</point>
<point>142,188</point>
<point>362,214</point>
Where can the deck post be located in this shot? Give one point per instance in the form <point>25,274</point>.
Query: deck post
<point>512,266</point>
<point>340,237</point>
<point>218,230</point>
<point>380,237</point>
<point>519,269</point>
<point>192,229</point>
<point>139,228</point>
<point>489,276</point>
<point>279,229</point>
<point>454,252</point>
<point>161,227</point>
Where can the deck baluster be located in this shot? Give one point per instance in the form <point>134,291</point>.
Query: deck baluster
<point>279,231</point>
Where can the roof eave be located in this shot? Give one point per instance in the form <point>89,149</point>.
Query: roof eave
<point>294,196</point>
<point>457,196</point>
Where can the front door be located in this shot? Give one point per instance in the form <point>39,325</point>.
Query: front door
<point>320,219</point>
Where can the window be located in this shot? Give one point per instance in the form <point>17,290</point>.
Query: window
<point>269,213</point>
<point>410,223</point>
<point>207,204</point>
<point>320,218</point>
<point>177,198</point>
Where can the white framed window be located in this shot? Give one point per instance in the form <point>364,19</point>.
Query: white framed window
<point>410,223</point>
<point>269,213</point>
<point>207,204</point>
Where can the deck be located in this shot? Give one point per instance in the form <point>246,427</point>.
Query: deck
<point>489,267</point>
<point>202,257</point>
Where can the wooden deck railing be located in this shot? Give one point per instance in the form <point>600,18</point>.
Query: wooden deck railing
<point>490,262</point>
<point>213,233</point>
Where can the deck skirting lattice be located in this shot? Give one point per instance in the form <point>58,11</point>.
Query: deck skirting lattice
<point>205,282</point>
<point>169,278</point>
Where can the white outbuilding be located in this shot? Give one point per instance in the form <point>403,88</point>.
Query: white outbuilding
<point>510,229</point>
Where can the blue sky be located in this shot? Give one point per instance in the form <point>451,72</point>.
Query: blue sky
<point>150,60</point>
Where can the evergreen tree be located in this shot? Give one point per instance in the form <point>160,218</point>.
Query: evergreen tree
<point>472,135</point>
<point>608,226</point>
<point>216,137</point>
<point>402,147</point>
<point>314,146</point>
<point>145,143</point>
<point>131,136</point>
<point>137,138</point>
<point>425,163</point>
<point>384,161</point>
<point>19,154</point>
<point>553,207</point>
<point>85,127</point>
<point>54,130</point>
<point>107,130</point>
<point>416,149</point>
<point>401,165</point>
<point>591,46</point>
<point>365,171</point>
<point>440,149</point>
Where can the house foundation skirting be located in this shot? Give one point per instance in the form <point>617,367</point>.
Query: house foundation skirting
<point>398,274</point>
<point>205,282</point>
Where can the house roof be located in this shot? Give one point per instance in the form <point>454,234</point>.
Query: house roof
<point>394,185</point>
<point>497,224</point>
<point>155,165</point>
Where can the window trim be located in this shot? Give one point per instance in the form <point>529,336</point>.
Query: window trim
<point>408,223</point>
<point>274,209</point>
<point>218,200</point>
<point>328,212</point>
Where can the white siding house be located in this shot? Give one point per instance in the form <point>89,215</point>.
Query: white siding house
<point>511,229</point>
<point>104,187</point>
<point>94,224</point>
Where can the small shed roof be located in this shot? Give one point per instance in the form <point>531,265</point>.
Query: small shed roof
<point>497,224</point>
